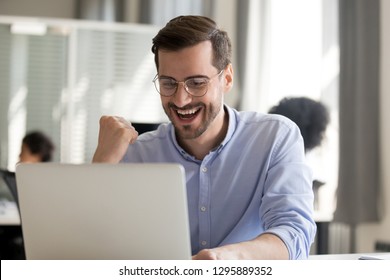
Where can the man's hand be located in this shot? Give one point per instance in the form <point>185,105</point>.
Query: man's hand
<point>115,134</point>
<point>264,247</point>
<point>212,254</point>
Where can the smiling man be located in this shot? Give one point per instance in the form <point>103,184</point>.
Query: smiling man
<point>248,186</point>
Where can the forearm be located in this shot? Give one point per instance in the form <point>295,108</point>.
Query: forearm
<point>265,246</point>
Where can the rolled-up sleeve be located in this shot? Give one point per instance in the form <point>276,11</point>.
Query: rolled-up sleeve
<point>287,203</point>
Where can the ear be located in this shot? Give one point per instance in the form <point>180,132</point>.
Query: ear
<point>228,76</point>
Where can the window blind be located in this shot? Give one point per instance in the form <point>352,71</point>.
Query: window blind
<point>63,81</point>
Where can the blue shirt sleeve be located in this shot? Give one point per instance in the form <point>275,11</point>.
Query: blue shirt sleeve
<point>287,202</point>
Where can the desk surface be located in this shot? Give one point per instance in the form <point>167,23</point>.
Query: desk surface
<point>356,256</point>
<point>9,213</point>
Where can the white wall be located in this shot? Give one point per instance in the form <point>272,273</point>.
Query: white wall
<point>38,8</point>
<point>368,234</point>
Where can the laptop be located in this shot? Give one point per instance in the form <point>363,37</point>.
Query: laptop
<point>9,179</point>
<point>104,211</point>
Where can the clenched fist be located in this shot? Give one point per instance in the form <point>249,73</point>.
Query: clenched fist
<point>115,134</point>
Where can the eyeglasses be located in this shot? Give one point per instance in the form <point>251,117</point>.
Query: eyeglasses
<point>196,86</point>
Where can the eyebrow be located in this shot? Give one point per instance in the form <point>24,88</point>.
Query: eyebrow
<point>190,77</point>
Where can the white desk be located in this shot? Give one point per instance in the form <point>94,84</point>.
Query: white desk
<point>9,213</point>
<point>348,256</point>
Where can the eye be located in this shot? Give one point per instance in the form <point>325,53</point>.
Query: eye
<point>167,83</point>
<point>197,82</point>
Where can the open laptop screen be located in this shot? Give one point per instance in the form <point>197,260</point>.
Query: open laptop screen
<point>103,211</point>
<point>10,180</point>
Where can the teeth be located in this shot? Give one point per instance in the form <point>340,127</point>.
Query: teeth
<point>186,112</point>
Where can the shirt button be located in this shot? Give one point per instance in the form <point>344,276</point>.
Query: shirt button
<point>203,243</point>
<point>204,169</point>
<point>203,209</point>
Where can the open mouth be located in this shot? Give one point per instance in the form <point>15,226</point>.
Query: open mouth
<point>188,114</point>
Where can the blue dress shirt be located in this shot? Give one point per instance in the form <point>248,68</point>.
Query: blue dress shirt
<point>256,181</point>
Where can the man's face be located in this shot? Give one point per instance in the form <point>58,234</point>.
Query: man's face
<point>192,116</point>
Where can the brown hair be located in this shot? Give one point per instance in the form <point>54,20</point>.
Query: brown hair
<point>187,31</point>
<point>39,144</point>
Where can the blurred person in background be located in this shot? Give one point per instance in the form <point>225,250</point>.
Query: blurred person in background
<point>36,147</point>
<point>312,118</point>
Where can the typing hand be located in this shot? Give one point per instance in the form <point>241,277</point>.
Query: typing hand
<point>206,254</point>
<point>115,134</point>
<point>220,253</point>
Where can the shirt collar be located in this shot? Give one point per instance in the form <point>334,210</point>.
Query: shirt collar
<point>231,128</point>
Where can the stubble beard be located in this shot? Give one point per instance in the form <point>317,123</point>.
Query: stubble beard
<point>187,132</point>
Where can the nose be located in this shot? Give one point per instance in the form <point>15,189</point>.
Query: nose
<point>181,96</point>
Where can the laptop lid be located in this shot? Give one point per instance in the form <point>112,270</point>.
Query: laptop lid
<point>103,211</point>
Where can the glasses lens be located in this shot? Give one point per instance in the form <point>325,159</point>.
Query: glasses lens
<point>165,86</point>
<point>197,86</point>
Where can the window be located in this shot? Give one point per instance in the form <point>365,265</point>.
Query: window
<point>302,59</point>
<point>62,80</point>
